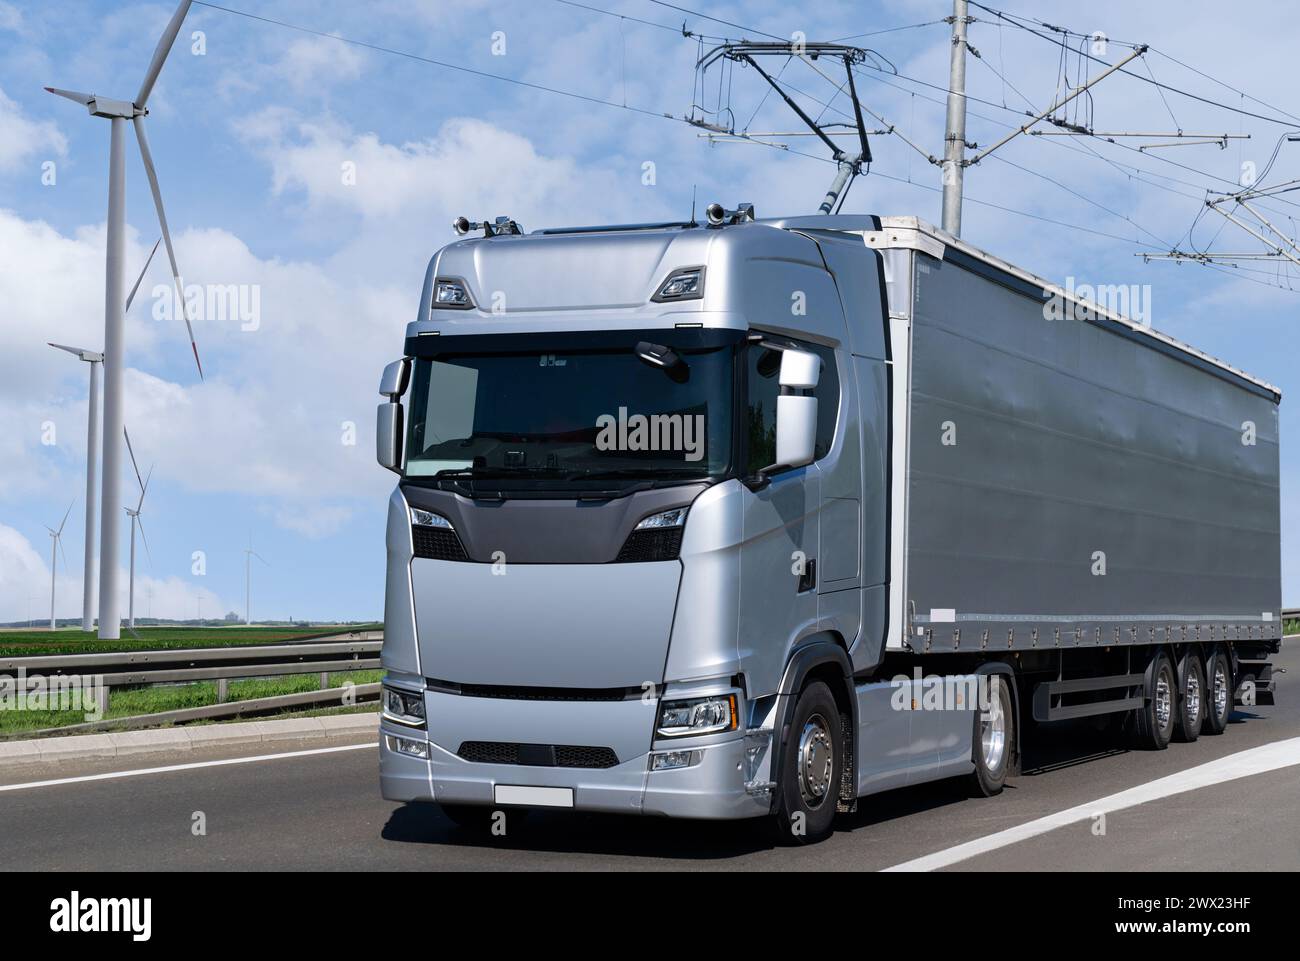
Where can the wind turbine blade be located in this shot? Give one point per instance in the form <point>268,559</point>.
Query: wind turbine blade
<point>160,53</point>
<point>144,487</point>
<point>131,451</point>
<point>82,98</point>
<point>138,280</point>
<point>260,558</point>
<point>147,156</point>
<point>63,555</point>
<point>65,518</point>
<point>139,521</point>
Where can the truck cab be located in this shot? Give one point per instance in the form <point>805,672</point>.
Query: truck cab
<point>642,504</point>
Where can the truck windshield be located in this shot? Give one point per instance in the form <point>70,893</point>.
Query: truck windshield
<point>538,416</point>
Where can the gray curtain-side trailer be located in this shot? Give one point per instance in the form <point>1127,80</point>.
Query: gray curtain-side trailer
<point>1073,481</point>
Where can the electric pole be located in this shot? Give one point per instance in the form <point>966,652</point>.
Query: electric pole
<point>954,148</point>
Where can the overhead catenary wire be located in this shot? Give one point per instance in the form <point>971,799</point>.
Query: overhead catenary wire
<point>643,111</point>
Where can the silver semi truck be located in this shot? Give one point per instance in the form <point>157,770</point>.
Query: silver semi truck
<point>758,517</point>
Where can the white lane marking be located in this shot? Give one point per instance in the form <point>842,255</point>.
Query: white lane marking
<point>194,765</point>
<point>1257,760</point>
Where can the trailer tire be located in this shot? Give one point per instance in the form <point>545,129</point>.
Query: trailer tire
<point>993,740</point>
<point>807,787</point>
<point>1218,691</point>
<point>1153,722</point>
<point>1191,696</point>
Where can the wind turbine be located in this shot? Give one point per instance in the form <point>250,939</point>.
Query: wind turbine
<point>92,459</point>
<point>56,547</point>
<point>118,112</point>
<point>136,522</point>
<point>249,554</point>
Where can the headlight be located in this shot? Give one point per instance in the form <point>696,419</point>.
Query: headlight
<point>404,707</point>
<point>423,518</point>
<point>698,715</point>
<point>450,293</point>
<point>684,284</point>
<point>673,518</point>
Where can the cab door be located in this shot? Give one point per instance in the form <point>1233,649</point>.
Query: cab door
<point>778,586</point>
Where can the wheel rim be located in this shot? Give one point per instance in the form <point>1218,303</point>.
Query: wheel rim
<point>1220,689</point>
<point>816,761</point>
<point>1192,697</point>
<point>1164,702</point>
<point>993,734</point>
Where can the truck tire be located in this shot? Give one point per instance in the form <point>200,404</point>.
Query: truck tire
<point>1219,689</point>
<point>807,788</point>
<point>1153,722</point>
<point>994,738</point>
<point>1191,696</point>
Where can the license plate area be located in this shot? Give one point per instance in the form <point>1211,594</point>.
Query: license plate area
<point>538,797</point>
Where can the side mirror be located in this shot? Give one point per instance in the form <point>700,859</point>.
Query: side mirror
<point>388,419</point>
<point>796,411</point>
<point>388,436</point>
<point>395,378</point>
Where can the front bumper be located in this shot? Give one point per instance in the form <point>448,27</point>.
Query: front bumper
<point>711,788</point>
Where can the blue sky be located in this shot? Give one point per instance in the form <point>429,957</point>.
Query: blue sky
<point>251,126</point>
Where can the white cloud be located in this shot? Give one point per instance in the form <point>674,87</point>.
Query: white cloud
<point>319,62</point>
<point>21,137</point>
<point>11,18</point>
<point>25,588</point>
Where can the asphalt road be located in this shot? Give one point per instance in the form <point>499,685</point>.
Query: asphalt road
<point>322,811</point>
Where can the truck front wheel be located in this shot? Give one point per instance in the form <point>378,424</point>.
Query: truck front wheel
<point>811,765</point>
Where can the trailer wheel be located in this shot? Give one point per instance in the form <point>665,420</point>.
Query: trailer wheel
<point>1154,721</point>
<point>1191,696</point>
<point>811,759</point>
<point>994,738</point>
<point>1218,692</point>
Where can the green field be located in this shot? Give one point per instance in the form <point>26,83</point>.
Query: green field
<point>129,701</point>
<point>72,641</point>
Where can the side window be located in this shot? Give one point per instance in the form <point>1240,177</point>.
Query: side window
<point>828,399</point>
<point>762,389</point>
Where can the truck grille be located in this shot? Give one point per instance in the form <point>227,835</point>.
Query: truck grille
<point>537,755</point>
<point>437,544</point>
<point>664,544</point>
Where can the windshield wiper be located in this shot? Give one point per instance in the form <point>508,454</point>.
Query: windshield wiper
<point>484,473</point>
<point>646,472</point>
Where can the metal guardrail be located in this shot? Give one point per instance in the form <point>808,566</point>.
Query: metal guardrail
<point>181,665</point>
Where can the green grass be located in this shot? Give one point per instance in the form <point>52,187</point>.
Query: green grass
<point>73,641</point>
<point>129,701</point>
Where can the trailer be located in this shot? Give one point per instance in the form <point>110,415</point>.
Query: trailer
<point>760,517</point>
